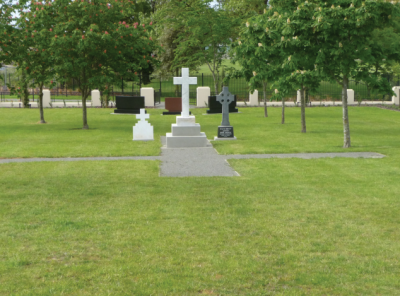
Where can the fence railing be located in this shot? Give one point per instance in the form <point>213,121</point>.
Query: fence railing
<point>164,87</point>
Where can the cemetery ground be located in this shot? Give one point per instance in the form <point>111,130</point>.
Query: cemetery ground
<point>284,227</point>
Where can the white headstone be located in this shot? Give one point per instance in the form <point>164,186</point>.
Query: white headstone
<point>96,98</point>
<point>143,131</point>
<point>185,81</point>
<point>396,99</point>
<point>46,98</point>
<point>350,96</point>
<point>148,94</point>
<point>253,98</point>
<point>202,96</point>
<point>298,97</point>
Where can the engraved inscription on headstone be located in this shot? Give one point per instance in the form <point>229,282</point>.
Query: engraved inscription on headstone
<point>225,132</point>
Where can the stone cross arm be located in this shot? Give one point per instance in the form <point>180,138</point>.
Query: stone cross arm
<point>142,116</point>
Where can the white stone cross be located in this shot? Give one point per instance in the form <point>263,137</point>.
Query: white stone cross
<point>142,116</point>
<point>185,81</point>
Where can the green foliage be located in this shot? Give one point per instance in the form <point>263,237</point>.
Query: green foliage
<point>202,34</point>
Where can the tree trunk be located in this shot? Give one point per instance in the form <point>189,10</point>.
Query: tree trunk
<point>346,126</point>
<point>41,103</point>
<point>25,91</point>
<point>84,111</point>
<point>265,98</point>
<point>106,98</point>
<point>303,110</point>
<point>283,110</point>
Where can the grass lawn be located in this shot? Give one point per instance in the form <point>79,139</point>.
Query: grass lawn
<point>285,227</point>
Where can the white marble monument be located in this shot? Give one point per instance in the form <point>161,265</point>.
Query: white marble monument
<point>143,131</point>
<point>253,98</point>
<point>350,96</point>
<point>186,132</point>
<point>96,98</point>
<point>148,94</point>
<point>46,98</point>
<point>202,96</point>
<point>395,99</point>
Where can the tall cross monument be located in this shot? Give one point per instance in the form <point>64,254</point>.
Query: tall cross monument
<point>185,81</point>
<point>185,132</point>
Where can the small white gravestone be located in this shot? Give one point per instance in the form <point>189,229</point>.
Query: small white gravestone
<point>350,96</point>
<point>396,99</point>
<point>143,131</point>
<point>253,98</point>
<point>96,98</point>
<point>148,94</point>
<point>46,98</point>
<point>298,97</point>
<point>202,96</point>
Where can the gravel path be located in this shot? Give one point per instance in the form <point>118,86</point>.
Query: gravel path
<point>199,162</point>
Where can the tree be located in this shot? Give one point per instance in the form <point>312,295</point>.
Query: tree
<point>244,9</point>
<point>31,52</point>
<point>92,44</point>
<point>344,35</point>
<point>298,44</point>
<point>204,35</point>
<point>258,55</point>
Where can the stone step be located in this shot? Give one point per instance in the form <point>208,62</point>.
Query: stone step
<point>186,141</point>
<point>190,130</point>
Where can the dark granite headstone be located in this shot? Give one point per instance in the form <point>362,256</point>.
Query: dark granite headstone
<point>225,130</point>
<point>216,107</point>
<point>129,104</point>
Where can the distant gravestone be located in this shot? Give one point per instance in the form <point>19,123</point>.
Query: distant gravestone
<point>46,98</point>
<point>143,131</point>
<point>95,94</point>
<point>216,107</point>
<point>225,130</point>
<point>129,104</point>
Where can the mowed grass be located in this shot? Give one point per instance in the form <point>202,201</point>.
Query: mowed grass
<point>284,227</point>
<point>372,129</point>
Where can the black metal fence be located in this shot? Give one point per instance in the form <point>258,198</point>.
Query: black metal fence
<point>164,87</point>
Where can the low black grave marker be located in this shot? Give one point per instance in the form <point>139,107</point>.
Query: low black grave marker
<point>129,104</point>
<point>216,107</point>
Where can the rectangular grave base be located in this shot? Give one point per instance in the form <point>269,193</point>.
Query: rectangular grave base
<point>217,111</point>
<point>186,131</point>
<point>224,139</point>
<point>174,113</point>
<point>182,141</point>
<point>225,132</point>
<point>128,111</point>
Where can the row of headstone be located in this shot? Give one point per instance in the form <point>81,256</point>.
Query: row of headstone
<point>203,99</point>
<point>253,97</point>
<point>95,98</point>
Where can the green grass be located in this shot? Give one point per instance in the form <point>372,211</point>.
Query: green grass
<point>285,227</point>
<point>111,135</point>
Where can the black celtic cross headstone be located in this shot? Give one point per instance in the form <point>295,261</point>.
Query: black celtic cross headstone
<point>225,130</point>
